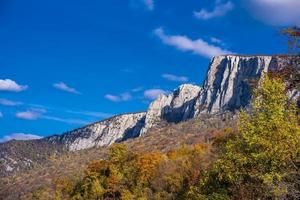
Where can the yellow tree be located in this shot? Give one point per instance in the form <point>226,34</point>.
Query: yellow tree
<point>257,160</point>
<point>146,165</point>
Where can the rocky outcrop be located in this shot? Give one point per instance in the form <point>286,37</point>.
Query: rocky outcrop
<point>173,108</point>
<point>226,88</point>
<point>227,85</point>
<point>103,133</point>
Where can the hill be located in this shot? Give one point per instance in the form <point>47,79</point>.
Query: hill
<point>72,164</point>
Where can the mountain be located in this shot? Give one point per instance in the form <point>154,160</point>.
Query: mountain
<point>227,88</point>
<point>103,133</point>
<point>73,163</point>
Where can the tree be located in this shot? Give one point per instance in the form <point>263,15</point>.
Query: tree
<point>146,165</point>
<point>258,159</point>
<point>293,35</point>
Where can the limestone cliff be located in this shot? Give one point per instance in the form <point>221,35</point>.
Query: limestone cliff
<point>228,80</point>
<point>226,88</point>
<point>103,133</point>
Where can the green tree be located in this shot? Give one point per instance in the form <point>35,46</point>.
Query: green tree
<point>257,160</point>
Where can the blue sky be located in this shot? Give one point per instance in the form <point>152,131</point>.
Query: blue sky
<point>67,63</point>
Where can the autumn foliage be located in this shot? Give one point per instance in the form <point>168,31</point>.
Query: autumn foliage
<point>258,160</point>
<point>148,175</point>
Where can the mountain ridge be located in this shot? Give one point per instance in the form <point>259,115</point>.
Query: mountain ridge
<point>226,88</point>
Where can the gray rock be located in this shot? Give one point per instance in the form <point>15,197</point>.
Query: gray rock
<point>103,133</point>
<point>226,88</point>
<point>228,82</point>
<point>173,108</point>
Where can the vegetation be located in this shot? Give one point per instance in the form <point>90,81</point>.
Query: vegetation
<point>293,34</point>
<point>153,175</point>
<point>261,160</point>
<point>41,180</point>
<point>258,160</point>
<point>199,159</point>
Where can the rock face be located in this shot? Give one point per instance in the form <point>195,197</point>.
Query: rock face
<point>228,80</point>
<point>103,133</point>
<point>172,108</point>
<point>226,88</point>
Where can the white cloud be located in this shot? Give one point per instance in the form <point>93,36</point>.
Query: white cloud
<point>36,113</point>
<point>112,97</point>
<point>126,96</point>
<point>172,77</point>
<point>118,98</point>
<point>1,114</point>
<point>276,12</point>
<point>64,87</point>
<point>11,86</point>
<point>19,136</point>
<point>219,11</point>
<point>32,114</point>
<point>184,43</point>
<point>153,93</point>
<point>6,102</point>
<point>29,115</point>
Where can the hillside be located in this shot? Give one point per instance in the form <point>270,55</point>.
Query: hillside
<point>71,164</point>
<point>227,87</point>
<point>190,115</point>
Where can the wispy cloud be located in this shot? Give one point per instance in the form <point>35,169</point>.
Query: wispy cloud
<point>37,113</point>
<point>91,113</point>
<point>6,102</point>
<point>66,120</point>
<point>19,136</point>
<point>28,115</point>
<point>11,86</point>
<point>137,89</point>
<point>118,98</point>
<point>64,87</point>
<point>219,11</point>
<point>1,114</point>
<point>184,43</point>
<point>276,12</point>
<point>172,77</point>
<point>154,93</point>
<point>32,114</point>
<point>216,40</point>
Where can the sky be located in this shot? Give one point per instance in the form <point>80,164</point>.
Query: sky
<point>64,64</point>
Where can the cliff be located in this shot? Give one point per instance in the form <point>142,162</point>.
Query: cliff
<point>227,88</point>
